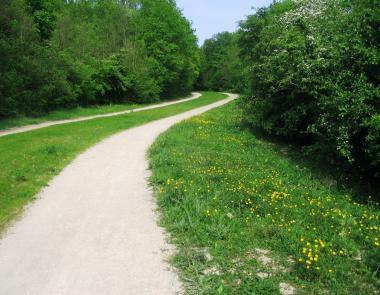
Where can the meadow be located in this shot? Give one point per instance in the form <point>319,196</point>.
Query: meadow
<point>249,219</point>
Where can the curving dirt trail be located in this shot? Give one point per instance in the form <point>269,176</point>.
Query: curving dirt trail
<point>26,128</point>
<point>93,230</point>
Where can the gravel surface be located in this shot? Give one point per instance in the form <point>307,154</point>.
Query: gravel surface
<point>26,128</point>
<point>94,229</point>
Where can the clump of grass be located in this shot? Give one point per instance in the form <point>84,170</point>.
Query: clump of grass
<point>219,187</point>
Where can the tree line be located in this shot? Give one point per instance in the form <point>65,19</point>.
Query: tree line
<point>59,54</point>
<point>309,71</point>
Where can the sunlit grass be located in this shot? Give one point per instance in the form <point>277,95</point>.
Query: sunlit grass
<point>29,160</point>
<point>71,114</point>
<point>224,191</point>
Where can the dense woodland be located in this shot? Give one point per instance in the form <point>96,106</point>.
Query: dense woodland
<point>308,70</point>
<point>221,65</point>
<point>58,54</point>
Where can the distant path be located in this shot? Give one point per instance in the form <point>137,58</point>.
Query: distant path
<point>21,129</point>
<point>93,230</point>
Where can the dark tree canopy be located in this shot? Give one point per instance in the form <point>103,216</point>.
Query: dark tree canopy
<point>57,54</point>
<point>221,67</point>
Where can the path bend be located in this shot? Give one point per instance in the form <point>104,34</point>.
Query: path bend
<point>93,230</point>
<point>26,128</point>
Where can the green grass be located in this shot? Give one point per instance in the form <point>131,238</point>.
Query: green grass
<point>237,207</point>
<point>67,114</point>
<point>29,160</point>
<point>70,114</point>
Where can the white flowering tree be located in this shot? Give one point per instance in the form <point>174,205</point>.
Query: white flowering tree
<point>315,77</point>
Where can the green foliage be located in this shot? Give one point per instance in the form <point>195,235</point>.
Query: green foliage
<point>33,79</point>
<point>43,16</point>
<point>170,44</point>
<point>58,54</point>
<point>115,81</point>
<point>314,75</point>
<point>373,141</point>
<point>221,68</point>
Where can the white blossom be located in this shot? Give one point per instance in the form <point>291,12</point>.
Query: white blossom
<point>307,10</point>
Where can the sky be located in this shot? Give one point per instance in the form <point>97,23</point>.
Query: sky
<point>210,17</point>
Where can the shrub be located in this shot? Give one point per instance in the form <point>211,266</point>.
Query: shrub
<point>314,75</point>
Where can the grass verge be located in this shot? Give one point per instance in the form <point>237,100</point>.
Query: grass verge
<point>67,114</point>
<point>74,113</point>
<point>29,160</point>
<point>248,219</point>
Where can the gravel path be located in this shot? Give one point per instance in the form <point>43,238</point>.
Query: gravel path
<point>21,129</point>
<point>93,230</point>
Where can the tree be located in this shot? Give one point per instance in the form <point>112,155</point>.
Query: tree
<point>170,44</point>
<point>221,67</point>
<point>314,76</point>
<point>44,16</point>
<point>58,54</point>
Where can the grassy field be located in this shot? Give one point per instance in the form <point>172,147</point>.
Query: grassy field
<point>248,219</point>
<point>67,114</point>
<point>29,160</point>
<point>70,114</point>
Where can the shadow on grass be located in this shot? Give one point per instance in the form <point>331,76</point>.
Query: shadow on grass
<point>334,173</point>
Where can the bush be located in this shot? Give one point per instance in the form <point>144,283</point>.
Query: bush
<point>314,75</point>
